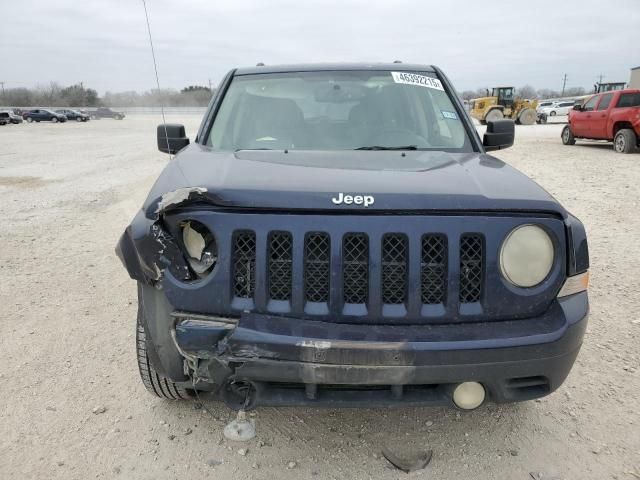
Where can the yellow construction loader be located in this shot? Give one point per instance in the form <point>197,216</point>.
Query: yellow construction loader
<point>504,104</point>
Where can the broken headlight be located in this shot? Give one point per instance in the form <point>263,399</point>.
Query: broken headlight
<point>200,247</point>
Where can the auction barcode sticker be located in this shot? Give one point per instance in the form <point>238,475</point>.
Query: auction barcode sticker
<point>414,79</point>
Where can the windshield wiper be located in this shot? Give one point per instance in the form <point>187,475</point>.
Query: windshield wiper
<point>380,147</point>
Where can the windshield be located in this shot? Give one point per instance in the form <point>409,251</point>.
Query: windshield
<point>338,110</point>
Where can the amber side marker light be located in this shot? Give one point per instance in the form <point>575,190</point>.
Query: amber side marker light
<point>576,284</point>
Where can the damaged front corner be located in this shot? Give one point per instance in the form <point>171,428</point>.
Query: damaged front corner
<point>147,250</point>
<point>176,197</point>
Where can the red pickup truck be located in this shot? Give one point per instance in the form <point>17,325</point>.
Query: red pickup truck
<point>612,116</point>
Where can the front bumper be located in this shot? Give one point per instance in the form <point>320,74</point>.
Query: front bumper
<point>283,361</point>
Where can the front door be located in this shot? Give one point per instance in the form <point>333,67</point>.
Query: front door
<point>581,119</point>
<point>598,128</point>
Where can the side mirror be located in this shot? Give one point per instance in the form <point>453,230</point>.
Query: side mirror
<point>577,107</point>
<point>500,134</point>
<point>171,138</point>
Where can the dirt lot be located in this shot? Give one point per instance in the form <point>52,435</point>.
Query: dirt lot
<point>67,337</point>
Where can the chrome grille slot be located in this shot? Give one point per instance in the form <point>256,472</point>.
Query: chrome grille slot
<point>280,265</point>
<point>471,266</point>
<point>433,269</point>
<point>355,269</point>
<point>317,257</point>
<point>394,268</point>
<point>244,264</point>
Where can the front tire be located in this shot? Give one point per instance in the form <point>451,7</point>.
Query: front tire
<point>54,120</point>
<point>29,119</point>
<point>78,119</point>
<point>494,114</point>
<point>552,113</point>
<point>155,383</point>
<point>528,116</point>
<point>567,136</point>
<point>625,141</point>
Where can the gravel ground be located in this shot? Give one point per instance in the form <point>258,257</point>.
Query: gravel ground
<point>72,405</point>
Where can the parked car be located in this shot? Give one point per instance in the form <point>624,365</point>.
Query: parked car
<point>337,235</point>
<point>74,115</point>
<point>612,116</point>
<point>544,104</point>
<point>5,119</point>
<point>13,117</point>
<point>43,115</point>
<point>104,112</point>
<point>558,108</point>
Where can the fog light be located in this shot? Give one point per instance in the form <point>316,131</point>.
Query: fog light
<point>468,395</point>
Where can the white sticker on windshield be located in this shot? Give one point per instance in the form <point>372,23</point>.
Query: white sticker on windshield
<point>449,115</point>
<point>414,79</point>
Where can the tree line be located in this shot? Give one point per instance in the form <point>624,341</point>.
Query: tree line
<point>78,95</point>
<point>54,95</point>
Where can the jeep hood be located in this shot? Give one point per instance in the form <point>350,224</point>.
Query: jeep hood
<point>308,180</point>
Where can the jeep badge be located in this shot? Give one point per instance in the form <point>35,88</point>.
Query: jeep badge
<point>365,200</point>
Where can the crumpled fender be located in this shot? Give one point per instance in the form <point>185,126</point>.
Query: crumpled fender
<point>147,248</point>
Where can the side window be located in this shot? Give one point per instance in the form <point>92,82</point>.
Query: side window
<point>629,100</point>
<point>591,104</point>
<point>605,101</point>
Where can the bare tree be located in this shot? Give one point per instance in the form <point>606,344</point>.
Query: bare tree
<point>545,93</point>
<point>527,91</point>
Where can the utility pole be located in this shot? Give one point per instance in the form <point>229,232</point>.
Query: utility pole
<point>2,85</point>
<point>600,78</point>
<point>210,88</point>
<point>564,84</point>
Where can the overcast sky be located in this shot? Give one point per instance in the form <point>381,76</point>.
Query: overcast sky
<point>104,43</point>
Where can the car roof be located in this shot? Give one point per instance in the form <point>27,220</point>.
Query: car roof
<point>325,67</point>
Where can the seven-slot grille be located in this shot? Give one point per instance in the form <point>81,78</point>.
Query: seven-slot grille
<point>392,270</point>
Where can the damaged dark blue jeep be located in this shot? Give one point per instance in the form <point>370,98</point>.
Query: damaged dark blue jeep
<point>336,235</point>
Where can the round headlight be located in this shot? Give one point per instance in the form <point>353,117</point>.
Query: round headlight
<point>526,256</point>
<point>200,247</point>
